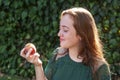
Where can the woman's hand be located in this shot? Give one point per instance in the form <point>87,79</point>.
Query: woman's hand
<point>34,58</point>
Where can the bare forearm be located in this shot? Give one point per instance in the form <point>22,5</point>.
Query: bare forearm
<point>40,73</point>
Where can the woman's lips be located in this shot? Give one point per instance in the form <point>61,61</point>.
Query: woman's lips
<point>61,39</point>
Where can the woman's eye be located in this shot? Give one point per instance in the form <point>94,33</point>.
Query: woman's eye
<point>65,30</point>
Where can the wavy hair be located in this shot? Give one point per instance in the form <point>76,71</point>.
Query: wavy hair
<point>85,27</point>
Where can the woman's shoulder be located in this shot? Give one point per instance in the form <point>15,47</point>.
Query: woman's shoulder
<point>103,71</point>
<point>101,64</point>
<point>59,52</point>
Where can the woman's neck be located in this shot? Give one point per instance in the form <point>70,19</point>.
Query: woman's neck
<point>73,53</point>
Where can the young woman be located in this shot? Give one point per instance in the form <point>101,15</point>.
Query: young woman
<point>80,55</point>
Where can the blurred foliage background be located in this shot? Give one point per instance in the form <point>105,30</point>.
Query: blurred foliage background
<point>37,21</point>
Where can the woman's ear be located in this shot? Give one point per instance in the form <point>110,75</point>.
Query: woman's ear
<point>79,37</point>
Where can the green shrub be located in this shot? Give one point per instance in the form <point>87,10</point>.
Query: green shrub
<point>37,21</point>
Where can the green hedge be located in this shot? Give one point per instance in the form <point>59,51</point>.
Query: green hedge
<point>37,21</point>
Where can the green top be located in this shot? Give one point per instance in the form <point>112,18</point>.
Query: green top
<point>66,69</point>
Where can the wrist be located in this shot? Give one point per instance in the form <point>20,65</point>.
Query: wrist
<point>38,68</point>
<point>38,63</point>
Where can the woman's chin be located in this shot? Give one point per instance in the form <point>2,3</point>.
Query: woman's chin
<point>63,46</point>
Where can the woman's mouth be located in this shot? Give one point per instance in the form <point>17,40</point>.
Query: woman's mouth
<point>61,39</point>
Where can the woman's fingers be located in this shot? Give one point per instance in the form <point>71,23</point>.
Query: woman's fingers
<point>31,58</point>
<point>28,53</point>
<point>22,53</point>
<point>36,60</point>
<point>37,55</point>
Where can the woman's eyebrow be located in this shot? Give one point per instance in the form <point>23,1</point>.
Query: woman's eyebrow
<point>64,26</point>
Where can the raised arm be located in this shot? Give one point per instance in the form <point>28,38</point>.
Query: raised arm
<point>37,63</point>
<point>39,73</point>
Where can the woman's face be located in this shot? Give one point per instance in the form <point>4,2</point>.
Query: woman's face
<point>67,33</point>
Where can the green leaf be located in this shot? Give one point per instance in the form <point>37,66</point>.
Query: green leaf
<point>24,14</point>
<point>12,71</point>
<point>6,2</point>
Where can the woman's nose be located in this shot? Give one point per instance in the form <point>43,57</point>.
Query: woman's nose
<point>59,33</point>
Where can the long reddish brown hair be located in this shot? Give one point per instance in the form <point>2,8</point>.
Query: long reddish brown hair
<point>85,27</point>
